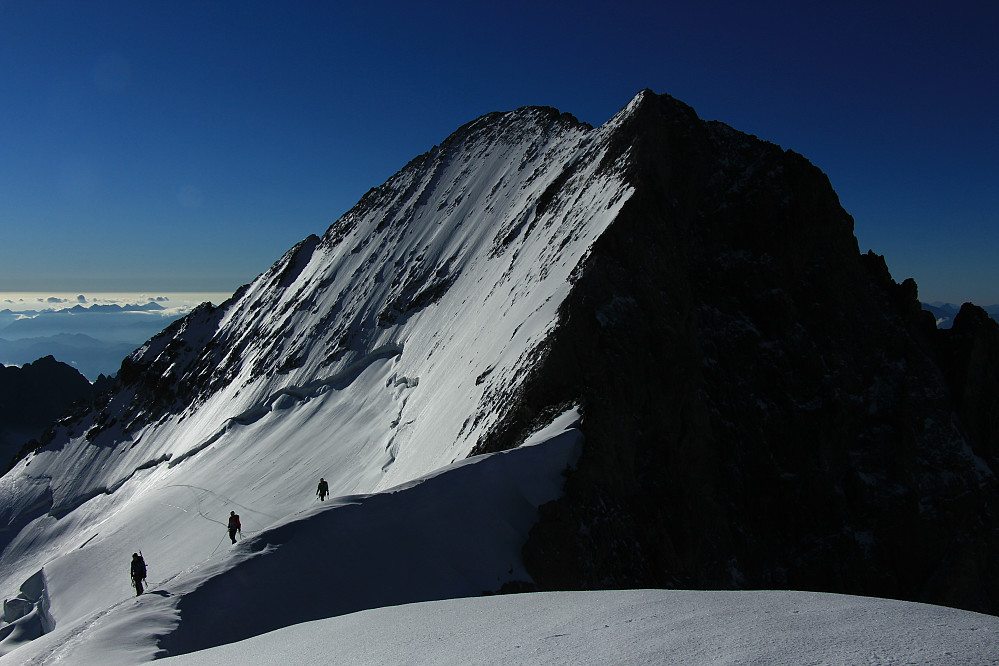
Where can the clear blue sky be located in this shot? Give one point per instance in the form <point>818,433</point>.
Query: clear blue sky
<point>182,145</point>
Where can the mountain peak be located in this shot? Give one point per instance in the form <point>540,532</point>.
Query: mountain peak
<point>743,380</point>
<point>662,105</point>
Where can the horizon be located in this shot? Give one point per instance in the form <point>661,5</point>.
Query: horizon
<point>43,301</point>
<point>132,165</point>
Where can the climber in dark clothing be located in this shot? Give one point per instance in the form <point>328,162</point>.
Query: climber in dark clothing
<point>323,490</point>
<point>234,526</point>
<point>138,572</point>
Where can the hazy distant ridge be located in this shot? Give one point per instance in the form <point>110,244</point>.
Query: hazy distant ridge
<point>92,338</point>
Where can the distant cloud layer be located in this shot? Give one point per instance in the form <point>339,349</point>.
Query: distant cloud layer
<point>27,303</point>
<point>123,300</point>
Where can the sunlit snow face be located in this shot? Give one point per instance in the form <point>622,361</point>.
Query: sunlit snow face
<point>371,358</point>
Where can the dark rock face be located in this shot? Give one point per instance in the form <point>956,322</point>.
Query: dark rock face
<point>32,397</point>
<point>763,406</point>
<point>969,354</point>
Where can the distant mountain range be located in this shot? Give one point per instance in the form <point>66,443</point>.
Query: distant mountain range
<point>92,339</point>
<point>945,312</point>
<point>90,356</point>
<point>106,322</point>
<point>96,307</point>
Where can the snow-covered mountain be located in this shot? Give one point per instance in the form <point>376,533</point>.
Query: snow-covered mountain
<point>372,356</point>
<point>655,304</point>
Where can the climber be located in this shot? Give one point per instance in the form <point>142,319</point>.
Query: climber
<point>138,572</point>
<point>234,526</point>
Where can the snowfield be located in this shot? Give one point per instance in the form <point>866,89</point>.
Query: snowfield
<point>631,627</point>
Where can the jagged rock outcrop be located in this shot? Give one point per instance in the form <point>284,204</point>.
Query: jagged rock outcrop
<point>763,406</point>
<point>32,397</point>
<point>969,356</point>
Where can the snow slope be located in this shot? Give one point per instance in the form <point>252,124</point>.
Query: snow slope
<point>456,532</point>
<point>631,627</point>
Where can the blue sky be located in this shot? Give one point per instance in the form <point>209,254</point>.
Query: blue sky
<point>184,146</point>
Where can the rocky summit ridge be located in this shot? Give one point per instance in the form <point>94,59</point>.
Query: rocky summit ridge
<point>763,406</point>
